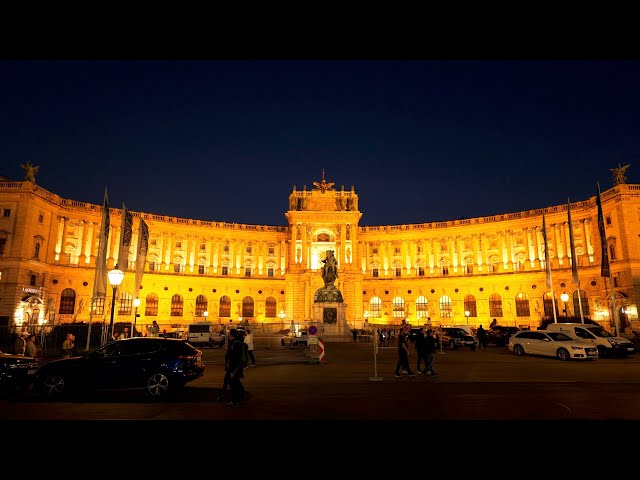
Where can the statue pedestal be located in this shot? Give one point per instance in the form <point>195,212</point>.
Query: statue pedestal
<point>331,318</point>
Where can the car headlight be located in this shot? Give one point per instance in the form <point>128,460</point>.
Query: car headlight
<point>577,348</point>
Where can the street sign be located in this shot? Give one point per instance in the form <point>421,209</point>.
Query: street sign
<point>313,340</point>
<point>313,330</point>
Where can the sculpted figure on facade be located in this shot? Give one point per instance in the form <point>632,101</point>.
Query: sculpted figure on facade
<point>29,171</point>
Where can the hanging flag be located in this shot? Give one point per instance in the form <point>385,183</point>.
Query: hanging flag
<point>547,264</point>
<point>143,246</point>
<point>604,266</point>
<point>572,246</point>
<point>100,284</point>
<point>126,232</point>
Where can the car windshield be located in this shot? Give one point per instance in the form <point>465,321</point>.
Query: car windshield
<point>599,332</point>
<point>458,331</point>
<point>558,336</point>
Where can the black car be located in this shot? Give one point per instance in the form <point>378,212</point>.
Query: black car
<point>17,372</point>
<point>499,335</point>
<point>157,365</point>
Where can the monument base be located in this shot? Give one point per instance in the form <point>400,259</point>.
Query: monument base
<point>331,318</point>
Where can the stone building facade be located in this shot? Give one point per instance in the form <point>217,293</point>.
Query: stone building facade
<point>460,271</point>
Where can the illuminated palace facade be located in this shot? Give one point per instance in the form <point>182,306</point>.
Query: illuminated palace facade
<point>491,267</point>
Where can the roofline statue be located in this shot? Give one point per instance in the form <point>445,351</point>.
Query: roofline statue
<point>29,171</point>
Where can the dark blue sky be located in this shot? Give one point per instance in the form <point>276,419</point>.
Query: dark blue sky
<point>421,141</point>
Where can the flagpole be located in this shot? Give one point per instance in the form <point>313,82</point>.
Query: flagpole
<point>547,267</point>
<point>574,259</point>
<point>95,276</point>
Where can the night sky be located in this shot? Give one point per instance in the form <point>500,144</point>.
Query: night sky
<point>421,141</point>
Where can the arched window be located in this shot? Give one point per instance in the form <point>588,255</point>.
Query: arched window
<point>176,305</point>
<point>375,307</point>
<point>270,308</point>
<point>495,305</point>
<point>67,302</point>
<point>584,300</point>
<point>202,304</point>
<point>421,307</point>
<point>470,305</point>
<point>124,305</point>
<point>247,307</point>
<point>398,307</point>
<point>522,305</point>
<point>151,305</point>
<point>445,306</point>
<point>547,302</point>
<point>225,306</point>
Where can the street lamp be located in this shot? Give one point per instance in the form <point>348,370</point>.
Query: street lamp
<point>115,279</point>
<point>466,314</point>
<point>136,303</point>
<point>206,314</point>
<point>564,296</point>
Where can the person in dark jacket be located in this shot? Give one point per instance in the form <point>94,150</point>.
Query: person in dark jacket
<point>430,350</point>
<point>420,350</point>
<point>233,368</point>
<point>403,355</point>
<point>482,338</point>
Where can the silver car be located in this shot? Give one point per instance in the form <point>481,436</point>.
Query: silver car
<point>551,344</point>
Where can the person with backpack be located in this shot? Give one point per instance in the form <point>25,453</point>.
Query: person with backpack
<point>233,368</point>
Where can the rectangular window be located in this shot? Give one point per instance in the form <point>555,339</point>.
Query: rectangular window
<point>152,266</point>
<point>397,250</point>
<point>616,282</point>
<point>421,271</point>
<point>612,253</point>
<point>176,267</point>
<point>154,241</point>
<point>248,250</point>
<point>247,271</point>
<point>608,220</point>
<point>98,306</point>
<point>444,270</point>
<point>270,273</point>
<point>374,273</point>
<point>7,212</point>
<point>225,270</point>
<point>200,269</point>
<point>226,248</point>
<point>3,242</point>
<point>178,244</point>
<point>36,251</point>
<point>398,272</point>
<point>203,246</point>
<point>40,218</point>
<point>272,251</point>
<point>374,251</point>
<point>419,249</point>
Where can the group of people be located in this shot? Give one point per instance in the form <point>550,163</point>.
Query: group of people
<point>25,344</point>
<point>425,345</point>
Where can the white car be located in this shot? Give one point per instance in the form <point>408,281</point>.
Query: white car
<point>551,344</point>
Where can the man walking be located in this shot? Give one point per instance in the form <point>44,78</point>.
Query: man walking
<point>403,355</point>
<point>482,338</point>
<point>233,368</point>
<point>430,350</point>
<point>420,349</point>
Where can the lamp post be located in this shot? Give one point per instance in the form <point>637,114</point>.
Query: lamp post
<point>564,296</point>
<point>115,279</point>
<point>206,314</point>
<point>136,304</point>
<point>466,314</point>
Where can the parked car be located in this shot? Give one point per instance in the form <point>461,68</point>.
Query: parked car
<point>17,372</point>
<point>291,339</point>
<point>499,335</point>
<point>217,339</point>
<point>551,344</point>
<point>158,365</point>
<point>456,337</point>
<point>607,344</point>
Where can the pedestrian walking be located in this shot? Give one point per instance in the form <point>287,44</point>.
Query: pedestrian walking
<point>233,368</point>
<point>403,356</point>
<point>68,346</point>
<point>20,343</point>
<point>248,339</point>
<point>420,349</point>
<point>482,338</point>
<point>32,348</point>
<point>430,351</point>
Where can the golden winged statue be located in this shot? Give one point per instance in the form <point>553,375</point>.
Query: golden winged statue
<point>29,171</point>
<point>618,174</point>
<point>323,185</point>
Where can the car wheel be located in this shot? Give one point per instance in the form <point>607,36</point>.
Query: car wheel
<point>518,350</point>
<point>563,354</point>
<point>157,385</point>
<point>52,386</point>
<point>602,352</point>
